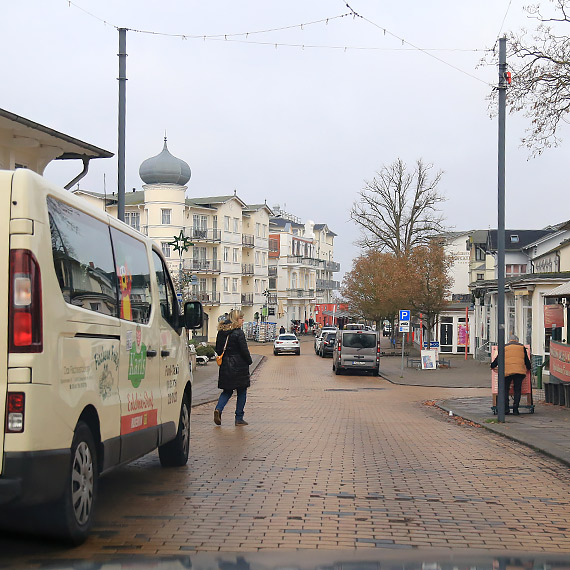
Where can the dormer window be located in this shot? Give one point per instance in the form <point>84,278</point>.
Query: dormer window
<point>514,238</point>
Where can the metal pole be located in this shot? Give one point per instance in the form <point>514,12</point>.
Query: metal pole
<point>502,398</point>
<point>122,122</point>
<point>403,342</point>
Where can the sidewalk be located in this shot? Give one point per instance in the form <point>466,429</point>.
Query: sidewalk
<point>547,429</point>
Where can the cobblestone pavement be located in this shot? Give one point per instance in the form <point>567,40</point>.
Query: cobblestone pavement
<point>330,462</point>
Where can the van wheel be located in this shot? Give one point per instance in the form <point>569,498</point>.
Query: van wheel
<point>75,510</point>
<point>175,453</point>
<point>337,371</point>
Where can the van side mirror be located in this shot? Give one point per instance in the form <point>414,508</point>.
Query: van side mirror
<point>193,315</point>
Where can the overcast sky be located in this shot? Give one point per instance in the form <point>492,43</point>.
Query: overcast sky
<point>301,127</point>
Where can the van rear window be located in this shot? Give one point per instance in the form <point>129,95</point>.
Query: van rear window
<point>358,340</point>
<point>83,259</point>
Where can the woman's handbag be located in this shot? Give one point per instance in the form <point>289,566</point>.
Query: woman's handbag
<point>220,356</point>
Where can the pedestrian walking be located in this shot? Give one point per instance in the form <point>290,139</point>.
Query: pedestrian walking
<point>517,363</point>
<point>234,370</point>
<point>282,330</point>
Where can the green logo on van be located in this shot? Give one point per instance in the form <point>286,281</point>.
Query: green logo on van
<point>137,360</point>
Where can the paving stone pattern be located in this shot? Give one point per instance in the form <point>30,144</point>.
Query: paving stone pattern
<point>335,462</point>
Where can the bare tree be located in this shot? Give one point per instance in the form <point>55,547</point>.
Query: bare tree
<point>540,64</point>
<point>397,210</point>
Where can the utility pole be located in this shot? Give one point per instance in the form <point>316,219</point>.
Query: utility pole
<point>122,122</point>
<point>502,398</point>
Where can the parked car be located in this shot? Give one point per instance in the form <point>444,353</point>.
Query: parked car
<point>287,342</point>
<point>387,330</point>
<point>320,335</point>
<point>356,350</point>
<point>327,345</point>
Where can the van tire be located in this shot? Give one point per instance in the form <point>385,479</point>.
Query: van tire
<point>337,371</point>
<point>74,513</point>
<point>175,453</point>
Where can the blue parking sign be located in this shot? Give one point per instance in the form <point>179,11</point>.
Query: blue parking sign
<point>404,315</point>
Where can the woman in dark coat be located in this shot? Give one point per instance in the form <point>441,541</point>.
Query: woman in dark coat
<point>234,371</point>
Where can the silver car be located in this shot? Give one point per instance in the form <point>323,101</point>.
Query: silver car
<point>287,342</point>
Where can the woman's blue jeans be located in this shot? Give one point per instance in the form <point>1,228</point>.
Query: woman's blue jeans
<point>240,404</point>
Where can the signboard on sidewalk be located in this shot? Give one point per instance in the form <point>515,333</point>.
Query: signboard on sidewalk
<point>405,327</point>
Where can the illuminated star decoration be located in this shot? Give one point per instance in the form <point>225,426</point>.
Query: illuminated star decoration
<point>180,243</point>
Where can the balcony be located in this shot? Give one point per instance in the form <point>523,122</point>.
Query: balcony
<point>323,284</point>
<point>209,235</point>
<point>206,297</point>
<point>300,293</point>
<point>307,261</point>
<point>247,299</point>
<point>332,266</point>
<point>247,240</point>
<point>202,265</point>
<point>247,269</point>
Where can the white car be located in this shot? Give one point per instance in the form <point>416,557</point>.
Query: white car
<point>287,342</point>
<point>321,334</point>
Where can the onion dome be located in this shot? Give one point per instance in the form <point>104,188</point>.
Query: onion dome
<point>164,168</point>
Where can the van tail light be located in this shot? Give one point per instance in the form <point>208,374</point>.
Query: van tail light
<point>15,407</point>
<point>25,303</point>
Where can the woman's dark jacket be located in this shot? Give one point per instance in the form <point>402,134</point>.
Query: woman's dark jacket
<point>234,371</point>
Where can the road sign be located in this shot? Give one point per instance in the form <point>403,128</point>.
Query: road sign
<point>179,296</point>
<point>405,327</point>
<point>404,315</point>
<point>432,344</point>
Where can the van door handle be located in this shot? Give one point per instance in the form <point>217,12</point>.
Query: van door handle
<point>151,353</point>
<point>165,353</point>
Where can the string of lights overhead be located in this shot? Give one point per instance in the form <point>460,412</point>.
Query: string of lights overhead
<point>243,37</point>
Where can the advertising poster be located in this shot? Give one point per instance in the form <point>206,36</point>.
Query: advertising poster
<point>429,359</point>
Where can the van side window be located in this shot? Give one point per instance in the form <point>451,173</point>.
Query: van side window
<point>133,274</point>
<point>166,294</point>
<point>82,258</point>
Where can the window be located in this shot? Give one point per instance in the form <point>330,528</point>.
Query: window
<point>166,217</point>
<point>479,254</point>
<point>480,276</point>
<point>264,230</point>
<point>226,284</point>
<point>256,286</point>
<point>514,238</point>
<point>257,258</point>
<point>133,273</point>
<point>264,258</point>
<point>166,294</point>
<point>226,253</point>
<point>214,286</point>
<point>165,246</point>
<point>258,230</point>
<point>234,285</point>
<point>133,219</point>
<point>236,255</point>
<point>83,259</point>
<point>236,225</point>
<point>226,223</point>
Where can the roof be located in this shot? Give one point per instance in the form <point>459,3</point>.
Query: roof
<point>72,148</point>
<point>131,198</point>
<point>560,291</point>
<point>209,200</point>
<point>525,237</point>
<point>282,222</point>
<point>325,228</point>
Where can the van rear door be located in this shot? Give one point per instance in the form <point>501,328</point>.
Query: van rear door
<point>5,197</point>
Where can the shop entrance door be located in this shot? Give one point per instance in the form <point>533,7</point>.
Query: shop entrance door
<point>446,335</point>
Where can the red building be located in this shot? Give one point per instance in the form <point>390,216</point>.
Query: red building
<point>331,314</point>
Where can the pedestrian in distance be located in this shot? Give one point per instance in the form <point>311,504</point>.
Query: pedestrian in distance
<point>517,363</point>
<point>234,370</point>
<point>282,330</point>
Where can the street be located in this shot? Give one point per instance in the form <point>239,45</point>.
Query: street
<point>328,462</point>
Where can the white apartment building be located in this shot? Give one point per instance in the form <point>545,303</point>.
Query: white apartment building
<point>301,267</point>
<point>226,267</point>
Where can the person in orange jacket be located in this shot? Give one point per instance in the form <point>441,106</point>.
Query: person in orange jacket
<point>516,365</point>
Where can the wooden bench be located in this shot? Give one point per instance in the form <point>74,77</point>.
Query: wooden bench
<point>443,362</point>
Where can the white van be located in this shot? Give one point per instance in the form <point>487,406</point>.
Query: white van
<point>96,369</point>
